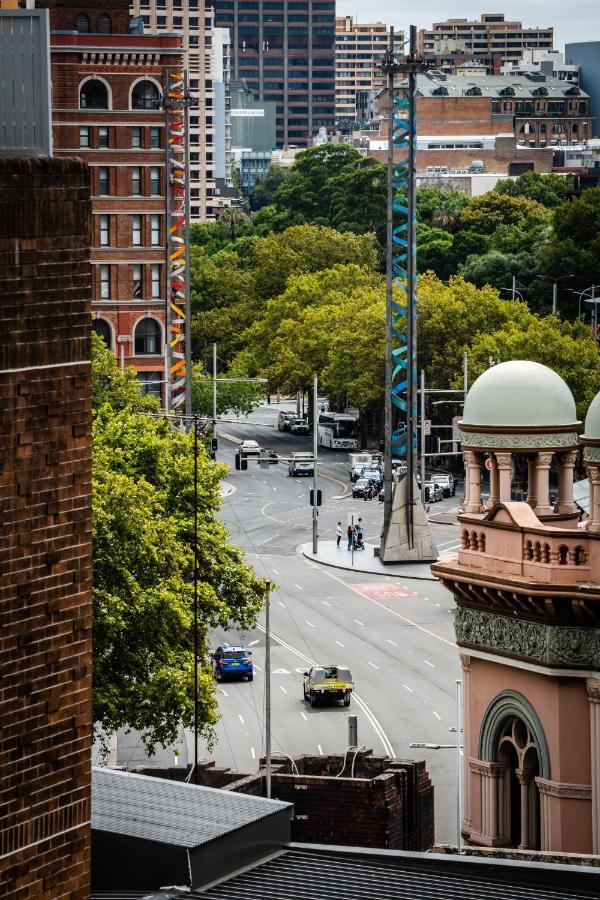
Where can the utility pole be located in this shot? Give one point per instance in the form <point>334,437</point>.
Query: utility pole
<point>195,599</point>
<point>555,298</point>
<point>458,768</point>
<point>514,287</point>
<point>268,687</point>
<point>315,509</point>
<point>214,387</point>
<point>423,436</point>
<point>389,67</point>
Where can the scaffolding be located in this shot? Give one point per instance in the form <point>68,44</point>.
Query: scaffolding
<point>178,369</point>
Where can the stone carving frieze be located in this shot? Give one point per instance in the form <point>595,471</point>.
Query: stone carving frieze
<point>551,644</point>
<point>591,454</point>
<point>524,441</point>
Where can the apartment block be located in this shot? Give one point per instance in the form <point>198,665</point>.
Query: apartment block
<point>358,47</point>
<point>193,19</point>
<point>491,35</point>
<point>107,88</point>
<point>284,51</point>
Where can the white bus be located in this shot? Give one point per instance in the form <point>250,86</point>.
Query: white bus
<point>338,431</point>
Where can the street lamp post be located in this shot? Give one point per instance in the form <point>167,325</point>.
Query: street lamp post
<point>513,290</point>
<point>593,288</point>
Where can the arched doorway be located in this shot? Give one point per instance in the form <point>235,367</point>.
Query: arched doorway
<point>518,755</point>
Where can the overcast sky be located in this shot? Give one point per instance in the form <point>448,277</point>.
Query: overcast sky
<point>573,20</point>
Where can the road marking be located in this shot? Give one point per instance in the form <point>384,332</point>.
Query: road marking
<point>282,688</point>
<point>304,716</point>
<point>390,641</point>
<point>339,643</point>
<point>309,623</point>
<point>392,611</point>
<point>358,622</point>
<point>377,727</point>
<point>427,663</point>
<point>406,688</point>
<point>241,718</point>
<point>438,604</point>
<point>373,664</point>
<point>252,752</point>
<point>300,588</point>
<point>252,643</point>
<point>325,603</point>
<point>281,672</point>
<point>224,692</point>
<point>437,715</point>
<point>281,603</point>
<point>258,668</point>
<point>320,749</point>
<point>275,572</point>
<point>267,516</point>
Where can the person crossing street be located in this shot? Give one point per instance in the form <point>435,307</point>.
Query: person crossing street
<point>338,533</point>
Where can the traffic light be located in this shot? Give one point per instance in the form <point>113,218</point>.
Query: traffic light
<point>214,444</point>
<point>312,497</point>
<point>240,461</point>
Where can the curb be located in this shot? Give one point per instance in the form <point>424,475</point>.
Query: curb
<point>227,490</point>
<point>404,573</point>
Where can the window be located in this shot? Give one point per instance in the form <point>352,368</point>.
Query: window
<point>102,329</point>
<point>104,24</point>
<point>147,338</point>
<point>104,231</point>
<point>103,136</point>
<point>137,230</point>
<point>82,23</point>
<point>145,95</point>
<point>155,137</point>
<point>154,180</point>
<point>177,21</point>
<point>137,282</point>
<point>105,282</point>
<point>103,180</point>
<point>150,382</point>
<point>136,136</point>
<point>161,21</point>
<point>136,180</point>
<point>93,95</point>
<point>155,230</point>
<point>155,281</point>
<point>84,136</point>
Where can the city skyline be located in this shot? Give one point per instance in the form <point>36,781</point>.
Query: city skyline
<point>567,28</point>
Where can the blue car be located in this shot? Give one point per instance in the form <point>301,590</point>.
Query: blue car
<point>232,661</point>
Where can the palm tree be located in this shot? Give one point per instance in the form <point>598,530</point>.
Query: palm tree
<point>233,217</point>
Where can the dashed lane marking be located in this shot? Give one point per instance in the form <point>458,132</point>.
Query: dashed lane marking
<point>358,622</point>
<point>320,749</point>
<point>224,692</point>
<point>373,664</point>
<point>299,586</point>
<point>252,752</point>
<point>241,718</point>
<point>437,715</point>
<point>281,687</point>
<point>406,688</point>
<point>309,623</point>
<point>390,641</point>
<point>304,716</point>
<point>427,663</point>
<point>339,643</point>
<point>325,603</point>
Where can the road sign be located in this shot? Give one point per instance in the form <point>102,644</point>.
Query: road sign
<point>427,425</point>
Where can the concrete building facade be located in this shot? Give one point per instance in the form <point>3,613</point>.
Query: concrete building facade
<point>358,46</point>
<point>107,110</point>
<point>527,622</point>
<point>193,19</point>
<point>284,51</point>
<point>586,55</point>
<point>492,34</point>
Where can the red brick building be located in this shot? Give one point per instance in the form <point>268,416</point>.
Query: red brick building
<point>107,87</point>
<point>45,530</point>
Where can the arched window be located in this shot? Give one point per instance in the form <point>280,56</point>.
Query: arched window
<point>93,95</point>
<point>540,92</point>
<point>104,24</point>
<point>102,329</point>
<point>440,92</point>
<point>474,91</point>
<point>507,92</point>
<point>147,338</point>
<point>145,95</point>
<point>82,23</point>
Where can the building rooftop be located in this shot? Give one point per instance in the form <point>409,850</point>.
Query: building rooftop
<point>530,86</point>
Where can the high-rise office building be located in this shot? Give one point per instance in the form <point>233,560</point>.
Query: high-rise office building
<point>284,51</point>
<point>358,46</point>
<point>492,34</point>
<point>193,18</point>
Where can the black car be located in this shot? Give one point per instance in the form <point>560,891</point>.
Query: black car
<point>272,455</point>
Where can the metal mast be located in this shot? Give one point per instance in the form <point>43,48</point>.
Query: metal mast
<point>178,373</point>
<point>401,301</point>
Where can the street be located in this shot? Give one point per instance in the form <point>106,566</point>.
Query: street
<point>396,635</point>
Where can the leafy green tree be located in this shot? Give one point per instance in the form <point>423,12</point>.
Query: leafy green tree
<point>238,397</point>
<point>264,189</point>
<point>233,218</point>
<point>468,243</point>
<point>439,207</point>
<point>306,248</point>
<point>549,190</point>
<point>497,269</point>
<point>359,198</point>
<point>143,503</point>
<point>485,213</point>
<point>308,190</point>
<point>435,251</point>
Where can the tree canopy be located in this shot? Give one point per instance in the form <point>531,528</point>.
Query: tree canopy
<point>143,504</point>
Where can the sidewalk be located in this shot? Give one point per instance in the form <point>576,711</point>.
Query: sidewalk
<point>364,561</point>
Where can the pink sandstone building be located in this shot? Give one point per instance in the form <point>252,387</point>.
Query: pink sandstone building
<point>526,581</point>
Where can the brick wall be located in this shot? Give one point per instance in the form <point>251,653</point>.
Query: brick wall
<point>45,529</point>
<point>63,14</point>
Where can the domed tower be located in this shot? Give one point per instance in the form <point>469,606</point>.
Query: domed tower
<point>590,440</point>
<point>526,581</point>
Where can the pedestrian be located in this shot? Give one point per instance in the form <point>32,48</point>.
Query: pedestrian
<point>350,537</point>
<point>338,533</point>
<point>359,534</point>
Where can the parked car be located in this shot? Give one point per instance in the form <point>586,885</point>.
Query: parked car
<point>272,455</point>
<point>447,484</point>
<point>299,426</point>
<point>233,661</point>
<point>301,464</point>
<point>284,419</point>
<point>372,474</point>
<point>364,486</point>
<point>250,448</point>
<point>328,683</point>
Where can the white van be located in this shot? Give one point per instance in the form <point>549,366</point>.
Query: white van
<point>357,462</point>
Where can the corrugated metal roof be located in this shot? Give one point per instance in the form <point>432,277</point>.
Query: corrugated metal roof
<point>305,875</point>
<point>523,87</point>
<point>171,812</point>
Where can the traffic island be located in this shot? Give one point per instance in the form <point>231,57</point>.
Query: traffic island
<point>329,554</point>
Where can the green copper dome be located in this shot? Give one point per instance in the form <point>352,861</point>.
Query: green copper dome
<point>520,394</point>
<point>592,421</point>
